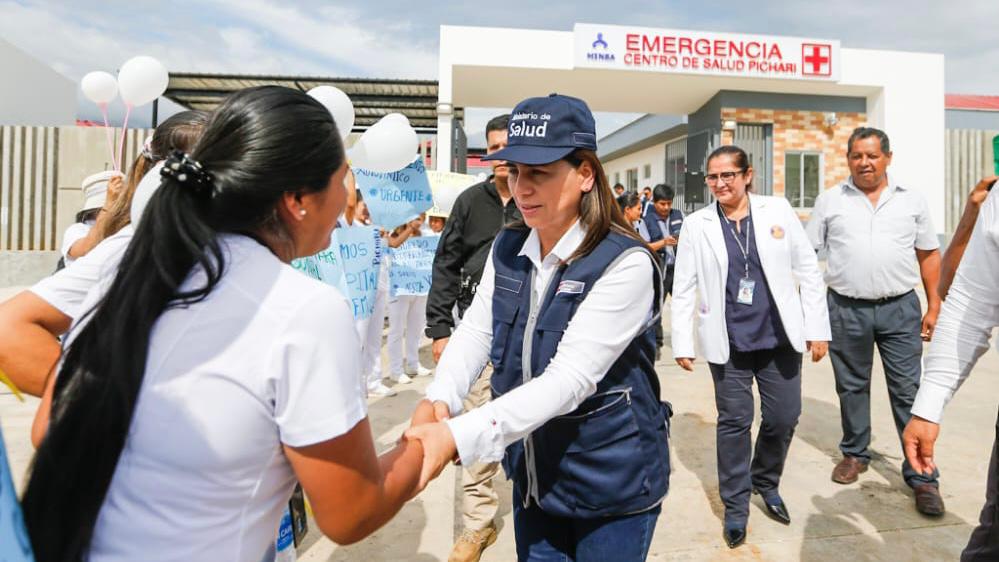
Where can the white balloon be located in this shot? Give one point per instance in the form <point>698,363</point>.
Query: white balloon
<point>141,80</point>
<point>339,106</point>
<point>144,192</point>
<point>99,86</point>
<point>395,118</point>
<point>387,146</point>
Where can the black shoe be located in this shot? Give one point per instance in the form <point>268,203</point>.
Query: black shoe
<point>776,509</point>
<point>734,536</point>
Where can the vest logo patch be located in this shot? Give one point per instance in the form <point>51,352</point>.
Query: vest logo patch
<point>570,288</point>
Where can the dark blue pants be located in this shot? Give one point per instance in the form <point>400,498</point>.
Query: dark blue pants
<point>778,374</point>
<point>857,326</point>
<point>545,538</point>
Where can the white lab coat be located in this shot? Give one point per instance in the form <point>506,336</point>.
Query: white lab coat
<point>789,264</point>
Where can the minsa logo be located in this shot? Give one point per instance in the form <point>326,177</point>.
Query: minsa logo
<point>598,50</point>
<point>816,59</point>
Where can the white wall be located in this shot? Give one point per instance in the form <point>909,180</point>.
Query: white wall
<point>654,155</point>
<point>910,108</point>
<point>33,94</point>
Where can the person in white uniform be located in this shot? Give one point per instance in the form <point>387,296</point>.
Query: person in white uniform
<point>211,375</point>
<point>81,236</point>
<point>33,320</point>
<point>407,317</point>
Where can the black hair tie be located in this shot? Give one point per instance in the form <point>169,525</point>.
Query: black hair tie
<point>187,171</point>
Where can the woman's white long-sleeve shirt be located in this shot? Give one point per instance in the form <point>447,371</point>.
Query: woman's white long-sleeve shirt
<point>966,319</point>
<point>618,306</point>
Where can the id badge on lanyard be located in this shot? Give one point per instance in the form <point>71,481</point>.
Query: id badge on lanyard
<point>747,286</point>
<point>746,289</point>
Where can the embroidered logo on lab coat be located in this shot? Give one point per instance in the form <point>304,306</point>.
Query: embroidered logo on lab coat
<point>777,232</point>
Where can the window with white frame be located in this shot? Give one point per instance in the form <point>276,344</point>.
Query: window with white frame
<point>802,178</point>
<point>647,171</point>
<point>617,178</point>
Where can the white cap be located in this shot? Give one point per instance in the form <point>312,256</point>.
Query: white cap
<point>95,189</point>
<point>436,212</point>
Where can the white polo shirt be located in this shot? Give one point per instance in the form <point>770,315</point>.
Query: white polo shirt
<point>872,249</point>
<point>268,359</point>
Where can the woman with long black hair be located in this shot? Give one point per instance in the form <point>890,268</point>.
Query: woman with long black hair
<point>211,375</point>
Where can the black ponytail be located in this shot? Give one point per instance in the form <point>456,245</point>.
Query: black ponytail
<point>260,143</point>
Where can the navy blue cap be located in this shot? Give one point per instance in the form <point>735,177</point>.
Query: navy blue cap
<point>543,130</point>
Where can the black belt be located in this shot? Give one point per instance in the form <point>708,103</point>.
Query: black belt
<point>882,300</point>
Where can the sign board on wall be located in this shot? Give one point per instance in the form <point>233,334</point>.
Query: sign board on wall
<point>682,51</point>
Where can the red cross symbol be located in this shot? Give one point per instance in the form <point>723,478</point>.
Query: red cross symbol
<point>817,59</point>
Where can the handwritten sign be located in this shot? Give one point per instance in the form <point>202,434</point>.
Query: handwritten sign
<point>14,543</point>
<point>412,266</point>
<point>447,186</point>
<point>396,197</point>
<point>351,264</point>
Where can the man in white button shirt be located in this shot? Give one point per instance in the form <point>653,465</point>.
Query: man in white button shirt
<point>967,319</point>
<point>876,233</point>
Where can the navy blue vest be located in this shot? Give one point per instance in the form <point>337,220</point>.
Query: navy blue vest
<point>610,456</point>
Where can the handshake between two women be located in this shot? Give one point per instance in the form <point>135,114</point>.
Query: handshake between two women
<point>429,429</point>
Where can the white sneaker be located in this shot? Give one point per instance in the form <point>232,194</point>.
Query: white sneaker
<point>380,390</point>
<point>419,371</point>
<point>401,378</point>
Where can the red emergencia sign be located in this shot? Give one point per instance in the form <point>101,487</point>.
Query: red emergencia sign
<point>701,52</point>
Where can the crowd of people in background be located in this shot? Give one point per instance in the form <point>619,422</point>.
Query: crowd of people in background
<point>188,375</point>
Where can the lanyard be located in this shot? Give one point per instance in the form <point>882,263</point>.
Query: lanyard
<point>744,250</point>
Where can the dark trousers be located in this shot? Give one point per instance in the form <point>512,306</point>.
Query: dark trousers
<point>778,374</point>
<point>857,326</point>
<point>667,290</point>
<point>984,542</point>
<point>542,537</point>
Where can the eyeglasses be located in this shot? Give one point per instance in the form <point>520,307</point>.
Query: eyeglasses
<point>727,177</point>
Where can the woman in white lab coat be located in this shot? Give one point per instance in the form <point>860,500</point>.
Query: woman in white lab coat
<point>745,268</point>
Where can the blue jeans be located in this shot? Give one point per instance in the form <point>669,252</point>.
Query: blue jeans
<point>545,538</point>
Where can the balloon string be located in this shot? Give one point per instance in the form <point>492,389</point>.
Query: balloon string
<point>124,129</point>
<point>107,131</point>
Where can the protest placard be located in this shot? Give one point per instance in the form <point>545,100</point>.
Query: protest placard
<point>396,197</point>
<point>351,264</point>
<point>446,187</point>
<point>14,543</point>
<point>412,266</point>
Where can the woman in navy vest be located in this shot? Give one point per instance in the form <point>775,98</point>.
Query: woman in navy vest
<point>745,266</point>
<point>565,313</point>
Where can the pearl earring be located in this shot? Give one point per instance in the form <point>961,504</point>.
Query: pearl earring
<point>302,212</point>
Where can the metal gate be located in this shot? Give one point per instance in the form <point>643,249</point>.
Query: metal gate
<point>758,142</point>
<point>676,169</point>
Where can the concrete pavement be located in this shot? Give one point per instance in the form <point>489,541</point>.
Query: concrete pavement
<point>873,519</point>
